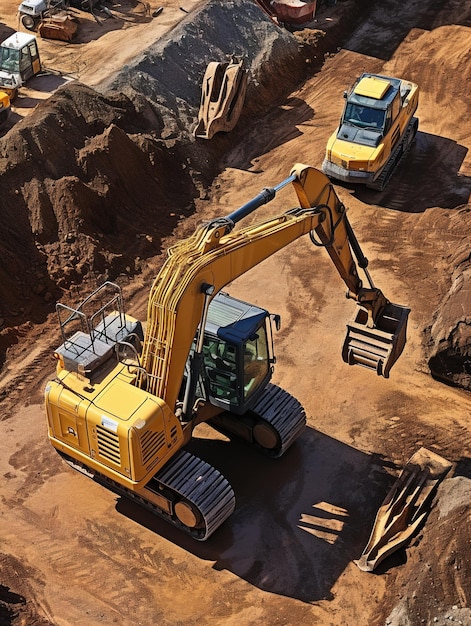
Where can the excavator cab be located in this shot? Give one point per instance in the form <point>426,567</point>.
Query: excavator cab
<point>237,354</point>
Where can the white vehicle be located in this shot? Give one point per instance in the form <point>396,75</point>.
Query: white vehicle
<point>32,11</point>
<point>19,60</point>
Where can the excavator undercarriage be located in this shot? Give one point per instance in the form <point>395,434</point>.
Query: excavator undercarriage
<point>272,425</point>
<point>189,493</point>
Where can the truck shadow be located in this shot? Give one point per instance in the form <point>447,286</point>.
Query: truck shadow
<point>299,520</point>
<point>429,176</point>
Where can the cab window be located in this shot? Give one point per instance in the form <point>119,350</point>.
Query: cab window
<point>221,368</point>
<point>256,362</point>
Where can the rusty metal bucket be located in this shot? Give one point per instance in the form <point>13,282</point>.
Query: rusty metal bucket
<point>222,99</point>
<point>405,507</point>
<point>376,348</point>
<point>61,27</point>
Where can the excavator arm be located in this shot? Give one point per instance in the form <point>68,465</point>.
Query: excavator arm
<point>216,254</point>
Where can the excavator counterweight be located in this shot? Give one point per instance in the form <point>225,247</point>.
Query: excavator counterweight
<point>124,401</point>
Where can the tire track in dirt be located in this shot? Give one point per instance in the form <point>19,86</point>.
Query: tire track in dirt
<point>24,378</point>
<point>71,555</point>
<point>438,429</point>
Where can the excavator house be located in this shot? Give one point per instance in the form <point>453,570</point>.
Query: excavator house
<point>127,396</point>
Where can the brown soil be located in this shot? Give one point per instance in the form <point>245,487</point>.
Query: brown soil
<point>98,181</point>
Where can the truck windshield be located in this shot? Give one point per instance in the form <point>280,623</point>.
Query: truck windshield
<point>364,117</point>
<point>9,59</point>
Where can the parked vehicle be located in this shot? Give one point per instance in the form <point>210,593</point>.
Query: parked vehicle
<point>19,61</point>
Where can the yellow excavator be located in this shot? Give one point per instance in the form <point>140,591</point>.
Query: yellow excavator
<point>375,133</point>
<point>125,400</point>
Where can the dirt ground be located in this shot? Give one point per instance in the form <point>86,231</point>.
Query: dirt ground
<point>72,553</point>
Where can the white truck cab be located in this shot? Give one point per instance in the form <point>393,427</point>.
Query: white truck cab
<point>19,60</point>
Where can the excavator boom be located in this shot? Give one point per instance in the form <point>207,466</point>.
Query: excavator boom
<point>216,254</point>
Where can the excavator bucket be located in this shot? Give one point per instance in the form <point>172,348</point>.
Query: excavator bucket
<point>222,98</point>
<point>376,348</point>
<point>404,508</point>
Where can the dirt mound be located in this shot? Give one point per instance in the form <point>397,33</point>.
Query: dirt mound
<point>449,336</point>
<point>436,571</point>
<point>85,193</point>
<point>169,73</point>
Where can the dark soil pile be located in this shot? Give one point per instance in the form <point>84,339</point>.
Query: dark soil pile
<point>449,337</point>
<point>423,591</point>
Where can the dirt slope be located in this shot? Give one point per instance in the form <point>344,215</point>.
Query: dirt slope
<point>72,552</point>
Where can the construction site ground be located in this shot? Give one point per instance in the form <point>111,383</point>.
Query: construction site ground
<point>74,554</point>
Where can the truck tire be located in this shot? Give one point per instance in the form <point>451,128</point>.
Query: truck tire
<point>28,22</point>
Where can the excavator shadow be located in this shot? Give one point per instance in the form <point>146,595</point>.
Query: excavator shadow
<point>299,520</point>
<point>428,177</point>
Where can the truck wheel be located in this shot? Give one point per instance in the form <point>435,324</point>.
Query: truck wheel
<point>28,22</point>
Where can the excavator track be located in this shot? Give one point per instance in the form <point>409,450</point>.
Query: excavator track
<point>273,424</point>
<point>397,156</point>
<point>200,498</point>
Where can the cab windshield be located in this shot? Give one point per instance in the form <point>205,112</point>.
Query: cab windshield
<point>363,116</point>
<point>9,59</point>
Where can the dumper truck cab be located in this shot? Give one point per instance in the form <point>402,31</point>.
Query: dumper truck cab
<point>19,60</point>
<point>376,130</point>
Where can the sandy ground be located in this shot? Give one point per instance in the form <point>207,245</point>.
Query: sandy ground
<point>81,556</point>
<point>103,43</point>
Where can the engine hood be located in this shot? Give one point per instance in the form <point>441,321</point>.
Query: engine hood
<point>355,143</point>
<point>363,136</point>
